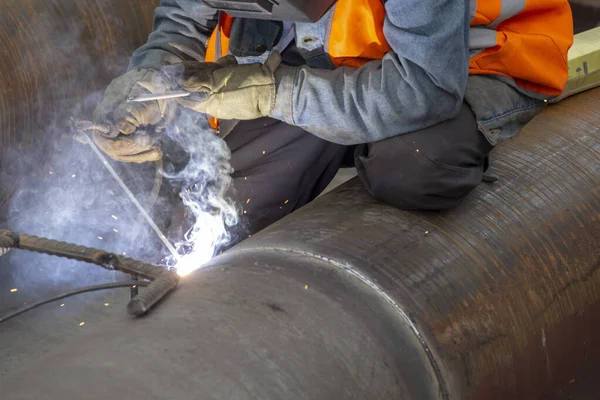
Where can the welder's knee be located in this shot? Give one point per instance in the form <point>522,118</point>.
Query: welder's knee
<point>431,169</point>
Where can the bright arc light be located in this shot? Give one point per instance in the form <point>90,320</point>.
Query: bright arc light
<point>191,262</point>
<point>205,236</point>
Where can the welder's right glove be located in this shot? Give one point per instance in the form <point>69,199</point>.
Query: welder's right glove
<point>127,142</point>
<point>232,92</point>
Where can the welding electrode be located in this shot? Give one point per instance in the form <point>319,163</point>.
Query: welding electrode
<point>197,96</point>
<point>81,127</point>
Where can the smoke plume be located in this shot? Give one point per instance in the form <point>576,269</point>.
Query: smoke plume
<point>204,185</point>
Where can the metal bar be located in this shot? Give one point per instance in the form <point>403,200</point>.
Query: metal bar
<point>8,241</point>
<point>133,199</point>
<point>163,281</point>
<point>81,253</point>
<point>155,291</point>
<point>159,96</point>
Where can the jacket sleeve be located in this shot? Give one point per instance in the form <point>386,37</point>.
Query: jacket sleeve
<point>420,83</point>
<point>180,33</point>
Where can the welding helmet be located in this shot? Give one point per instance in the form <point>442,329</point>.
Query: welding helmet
<point>281,10</point>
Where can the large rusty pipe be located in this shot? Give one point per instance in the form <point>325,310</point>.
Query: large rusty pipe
<point>348,298</point>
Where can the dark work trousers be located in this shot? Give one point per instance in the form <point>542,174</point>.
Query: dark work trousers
<point>279,167</point>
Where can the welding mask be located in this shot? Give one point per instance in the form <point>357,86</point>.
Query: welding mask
<point>282,10</point>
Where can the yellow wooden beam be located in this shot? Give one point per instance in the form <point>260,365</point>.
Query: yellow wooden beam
<point>584,63</point>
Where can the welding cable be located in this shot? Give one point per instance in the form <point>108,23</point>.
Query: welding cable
<point>85,289</point>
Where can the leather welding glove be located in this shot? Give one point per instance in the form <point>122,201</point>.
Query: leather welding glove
<point>126,142</point>
<point>235,92</point>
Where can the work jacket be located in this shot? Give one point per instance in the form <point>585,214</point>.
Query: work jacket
<point>374,70</point>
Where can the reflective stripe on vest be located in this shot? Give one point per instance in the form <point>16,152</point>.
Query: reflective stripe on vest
<point>526,40</point>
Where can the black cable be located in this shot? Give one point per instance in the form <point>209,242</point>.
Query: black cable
<point>84,289</point>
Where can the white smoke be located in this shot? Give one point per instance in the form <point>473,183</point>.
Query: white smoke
<point>205,183</point>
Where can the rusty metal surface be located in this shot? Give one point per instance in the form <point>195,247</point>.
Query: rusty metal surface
<point>497,285</point>
<point>56,57</point>
<point>350,298</point>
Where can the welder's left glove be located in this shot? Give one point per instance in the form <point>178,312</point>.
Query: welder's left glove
<point>234,91</point>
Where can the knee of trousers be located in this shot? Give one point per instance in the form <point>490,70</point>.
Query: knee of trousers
<point>410,180</point>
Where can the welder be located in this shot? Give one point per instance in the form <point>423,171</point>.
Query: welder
<point>413,93</point>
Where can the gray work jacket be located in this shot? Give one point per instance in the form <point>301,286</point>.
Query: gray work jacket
<point>421,82</point>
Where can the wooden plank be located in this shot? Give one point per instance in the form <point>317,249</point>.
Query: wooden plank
<point>584,63</point>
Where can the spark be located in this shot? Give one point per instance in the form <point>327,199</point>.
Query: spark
<point>417,150</point>
<point>50,172</point>
<point>134,286</point>
<point>73,176</point>
<point>81,323</point>
<point>114,217</point>
<point>264,152</point>
<point>13,290</point>
<point>106,304</point>
<point>426,232</point>
<point>285,202</point>
<point>305,287</point>
<point>116,230</point>
<point>244,211</point>
<point>248,201</point>
<point>245,178</point>
<point>62,305</point>
<point>100,237</point>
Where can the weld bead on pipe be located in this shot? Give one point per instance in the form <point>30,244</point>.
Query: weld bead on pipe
<point>155,291</point>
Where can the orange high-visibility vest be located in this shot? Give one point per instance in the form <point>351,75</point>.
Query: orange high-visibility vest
<point>526,40</point>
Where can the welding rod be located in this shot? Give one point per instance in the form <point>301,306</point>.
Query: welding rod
<point>149,219</point>
<point>160,96</point>
<point>194,96</point>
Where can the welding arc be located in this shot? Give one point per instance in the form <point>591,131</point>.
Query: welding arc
<point>81,290</point>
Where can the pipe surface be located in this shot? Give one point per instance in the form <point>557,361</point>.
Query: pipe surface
<point>348,298</point>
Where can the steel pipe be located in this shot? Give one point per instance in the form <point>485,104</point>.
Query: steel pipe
<point>348,298</point>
